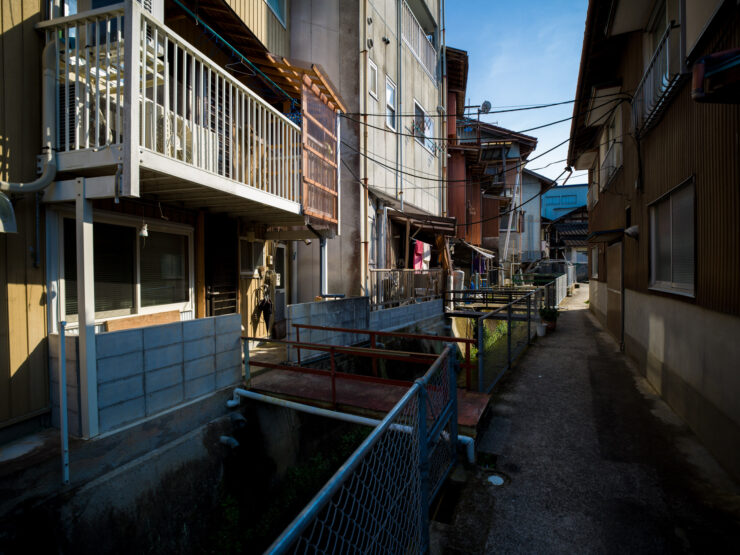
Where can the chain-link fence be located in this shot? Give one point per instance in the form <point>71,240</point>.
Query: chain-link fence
<point>378,501</point>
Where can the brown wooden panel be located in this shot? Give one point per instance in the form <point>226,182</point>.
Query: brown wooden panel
<point>143,320</point>
<point>490,214</point>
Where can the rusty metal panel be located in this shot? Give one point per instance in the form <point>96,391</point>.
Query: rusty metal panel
<point>456,192</point>
<point>319,140</point>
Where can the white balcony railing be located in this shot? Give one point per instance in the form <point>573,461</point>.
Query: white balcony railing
<point>610,164</point>
<point>659,81</point>
<point>120,81</point>
<point>418,41</point>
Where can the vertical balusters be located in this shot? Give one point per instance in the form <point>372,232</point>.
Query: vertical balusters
<point>183,101</point>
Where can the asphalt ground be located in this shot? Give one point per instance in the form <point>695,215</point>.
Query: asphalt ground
<point>593,461</point>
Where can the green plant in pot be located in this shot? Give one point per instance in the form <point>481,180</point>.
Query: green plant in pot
<point>549,317</point>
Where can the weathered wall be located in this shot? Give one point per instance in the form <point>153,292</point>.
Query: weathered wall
<point>325,33</point>
<point>144,371</point>
<point>689,354</point>
<point>23,350</point>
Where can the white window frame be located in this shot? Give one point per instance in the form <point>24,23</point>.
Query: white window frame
<point>251,272</point>
<point>280,18</point>
<point>426,139</point>
<point>389,83</point>
<point>134,222</point>
<point>595,262</point>
<point>671,286</point>
<point>372,69</point>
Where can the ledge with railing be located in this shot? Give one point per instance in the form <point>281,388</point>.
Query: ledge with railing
<point>659,81</point>
<point>611,163</point>
<point>418,41</point>
<point>399,287</point>
<point>133,93</point>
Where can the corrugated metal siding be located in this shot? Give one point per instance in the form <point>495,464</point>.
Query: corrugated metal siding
<point>691,139</point>
<point>261,20</point>
<point>24,388</point>
<point>473,229</point>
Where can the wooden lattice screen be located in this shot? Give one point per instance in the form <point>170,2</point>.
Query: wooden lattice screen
<point>320,193</point>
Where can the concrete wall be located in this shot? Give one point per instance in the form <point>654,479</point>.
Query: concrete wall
<point>403,316</point>
<point>352,313</point>
<point>690,355</point>
<point>144,371</point>
<point>326,33</point>
<point>597,300</point>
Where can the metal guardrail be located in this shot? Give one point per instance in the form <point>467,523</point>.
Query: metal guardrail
<point>505,321</point>
<point>398,287</point>
<point>611,163</point>
<point>658,82</point>
<point>378,501</point>
<point>417,40</point>
<point>132,79</point>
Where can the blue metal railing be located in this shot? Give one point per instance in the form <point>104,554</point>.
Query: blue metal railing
<point>378,500</point>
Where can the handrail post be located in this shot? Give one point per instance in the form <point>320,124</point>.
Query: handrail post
<point>480,354</point>
<point>373,343</point>
<point>423,467</point>
<point>508,336</point>
<point>63,403</point>
<point>451,369</point>
<point>245,350</point>
<point>529,319</point>
<point>298,340</point>
<point>468,376</point>
<point>333,379</point>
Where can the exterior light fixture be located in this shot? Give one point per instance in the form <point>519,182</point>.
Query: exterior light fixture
<point>144,230</point>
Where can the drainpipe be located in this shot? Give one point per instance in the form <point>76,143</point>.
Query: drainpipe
<point>468,442</point>
<point>322,267</point>
<point>399,117</point>
<point>49,58</point>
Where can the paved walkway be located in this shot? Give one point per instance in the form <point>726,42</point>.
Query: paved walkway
<point>594,461</point>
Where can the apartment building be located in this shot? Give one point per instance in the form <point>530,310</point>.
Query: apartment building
<point>656,123</point>
<point>386,60</point>
<point>180,154</point>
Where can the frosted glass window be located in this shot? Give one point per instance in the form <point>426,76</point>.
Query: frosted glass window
<point>672,242</point>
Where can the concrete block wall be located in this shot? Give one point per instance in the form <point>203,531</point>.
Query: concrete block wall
<point>73,380</point>
<point>407,315</point>
<point>144,371</point>
<point>353,312</point>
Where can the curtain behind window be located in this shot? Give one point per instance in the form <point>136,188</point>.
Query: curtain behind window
<point>113,259</point>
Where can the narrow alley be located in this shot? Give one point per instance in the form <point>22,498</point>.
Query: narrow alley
<point>593,460</point>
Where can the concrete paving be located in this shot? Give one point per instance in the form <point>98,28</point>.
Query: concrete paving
<point>593,461</point>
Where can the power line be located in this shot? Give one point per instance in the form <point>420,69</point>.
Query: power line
<point>465,181</point>
<point>503,111</point>
<point>441,139</point>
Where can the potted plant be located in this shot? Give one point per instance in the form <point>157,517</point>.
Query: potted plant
<point>549,317</point>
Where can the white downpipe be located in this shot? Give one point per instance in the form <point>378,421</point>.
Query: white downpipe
<point>468,442</point>
<point>49,58</point>
<point>511,218</point>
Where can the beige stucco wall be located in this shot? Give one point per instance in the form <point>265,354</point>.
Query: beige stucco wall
<point>691,356</point>
<point>414,84</point>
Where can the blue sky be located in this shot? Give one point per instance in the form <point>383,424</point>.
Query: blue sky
<point>523,53</point>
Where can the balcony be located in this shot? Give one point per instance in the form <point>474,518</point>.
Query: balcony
<point>611,163</point>
<point>660,80</point>
<point>144,108</point>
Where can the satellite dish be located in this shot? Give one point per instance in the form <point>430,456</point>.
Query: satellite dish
<point>485,107</point>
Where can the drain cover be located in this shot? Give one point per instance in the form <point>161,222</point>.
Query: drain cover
<point>495,480</point>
